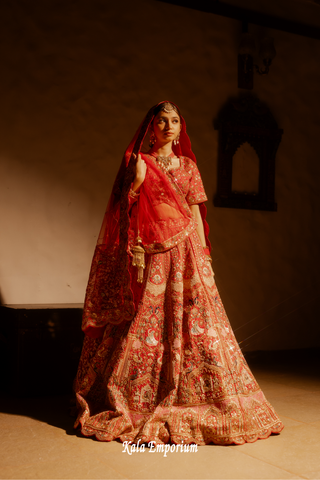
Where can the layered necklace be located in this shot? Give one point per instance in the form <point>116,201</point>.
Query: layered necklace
<point>165,163</point>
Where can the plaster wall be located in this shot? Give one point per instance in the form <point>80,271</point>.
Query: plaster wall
<point>77,79</point>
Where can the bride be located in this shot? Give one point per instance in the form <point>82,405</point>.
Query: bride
<point>160,362</point>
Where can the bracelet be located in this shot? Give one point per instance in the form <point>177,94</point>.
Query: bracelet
<point>206,251</point>
<point>133,194</point>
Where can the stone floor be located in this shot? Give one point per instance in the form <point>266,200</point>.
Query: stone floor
<point>37,439</point>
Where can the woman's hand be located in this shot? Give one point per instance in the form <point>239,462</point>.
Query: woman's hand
<point>141,170</point>
<point>195,210</point>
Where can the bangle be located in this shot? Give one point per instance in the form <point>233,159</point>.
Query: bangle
<point>206,251</point>
<point>133,194</point>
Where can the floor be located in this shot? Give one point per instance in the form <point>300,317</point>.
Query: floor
<point>37,439</point>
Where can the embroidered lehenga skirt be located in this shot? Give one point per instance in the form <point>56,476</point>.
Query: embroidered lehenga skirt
<point>175,373</point>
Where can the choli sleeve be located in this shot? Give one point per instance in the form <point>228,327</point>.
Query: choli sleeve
<point>196,193</point>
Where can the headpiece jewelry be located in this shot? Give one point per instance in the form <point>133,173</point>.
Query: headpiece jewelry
<point>168,107</point>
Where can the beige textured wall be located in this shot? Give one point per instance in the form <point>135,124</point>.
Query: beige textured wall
<point>77,78</point>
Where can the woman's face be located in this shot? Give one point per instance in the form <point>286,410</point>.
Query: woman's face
<point>166,126</point>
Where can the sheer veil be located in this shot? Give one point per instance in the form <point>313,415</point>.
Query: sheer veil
<point>162,219</point>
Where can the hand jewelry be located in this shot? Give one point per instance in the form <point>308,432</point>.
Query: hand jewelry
<point>133,194</point>
<point>206,251</point>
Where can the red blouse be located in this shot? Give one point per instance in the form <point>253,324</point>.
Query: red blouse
<point>189,180</point>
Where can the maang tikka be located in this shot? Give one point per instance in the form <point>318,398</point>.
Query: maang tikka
<point>168,107</point>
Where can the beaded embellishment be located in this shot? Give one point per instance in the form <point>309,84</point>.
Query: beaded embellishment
<point>164,163</point>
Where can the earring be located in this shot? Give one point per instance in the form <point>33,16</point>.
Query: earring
<point>152,140</point>
<point>176,140</point>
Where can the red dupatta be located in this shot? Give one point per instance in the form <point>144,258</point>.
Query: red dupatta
<point>162,219</point>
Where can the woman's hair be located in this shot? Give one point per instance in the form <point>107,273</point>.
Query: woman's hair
<point>166,107</point>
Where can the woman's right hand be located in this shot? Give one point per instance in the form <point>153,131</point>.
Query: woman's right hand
<point>141,170</point>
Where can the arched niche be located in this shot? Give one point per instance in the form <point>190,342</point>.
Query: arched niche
<point>247,124</point>
<point>245,170</point>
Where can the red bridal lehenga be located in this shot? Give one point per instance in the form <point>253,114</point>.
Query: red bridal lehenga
<point>160,362</point>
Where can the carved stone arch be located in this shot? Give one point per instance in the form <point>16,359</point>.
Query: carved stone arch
<point>246,119</point>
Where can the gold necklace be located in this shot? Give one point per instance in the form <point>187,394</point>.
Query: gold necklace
<point>164,162</point>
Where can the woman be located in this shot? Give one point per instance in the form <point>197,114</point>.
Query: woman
<point>160,362</point>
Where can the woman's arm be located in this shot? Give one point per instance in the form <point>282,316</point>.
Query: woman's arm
<point>195,210</point>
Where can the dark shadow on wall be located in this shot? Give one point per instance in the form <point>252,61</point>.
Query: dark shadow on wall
<point>304,363</point>
<point>41,349</point>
